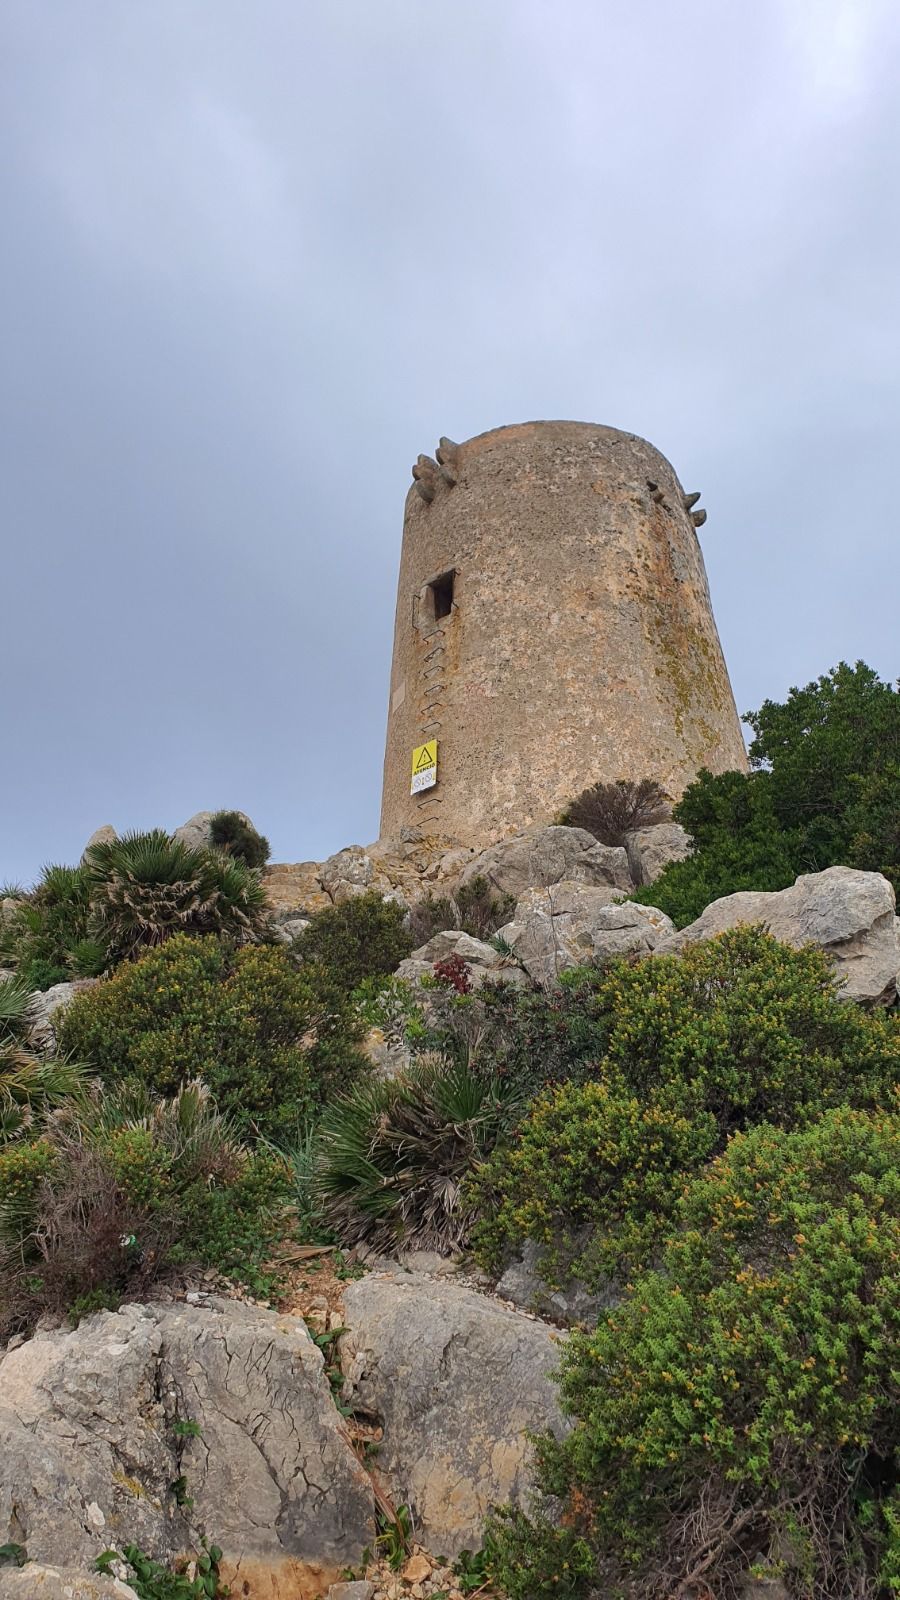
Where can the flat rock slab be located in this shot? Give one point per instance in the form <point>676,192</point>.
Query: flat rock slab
<point>850,914</point>
<point>457,1380</point>
<point>90,1446</point>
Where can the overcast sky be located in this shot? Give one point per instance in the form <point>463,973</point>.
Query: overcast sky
<point>257,254</point>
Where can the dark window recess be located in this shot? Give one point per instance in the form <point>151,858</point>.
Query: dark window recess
<point>441,593</point>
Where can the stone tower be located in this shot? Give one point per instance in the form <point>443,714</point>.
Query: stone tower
<point>553,628</point>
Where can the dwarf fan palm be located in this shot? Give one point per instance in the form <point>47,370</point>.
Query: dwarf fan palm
<point>147,886</point>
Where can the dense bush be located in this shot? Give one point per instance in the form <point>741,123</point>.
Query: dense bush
<point>740,1025</point>
<point>129,894</point>
<point>365,937</point>
<point>232,832</point>
<point>610,811</point>
<point>268,1040</point>
<point>742,1406</point>
<point>822,792</point>
<point>664,1060</point>
<point>49,935</point>
<point>30,1086</point>
<point>145,887</point>
<point>395,1154</point>
<point>593,1176</point>
<point>476,908</point>
<point>121,1187</point>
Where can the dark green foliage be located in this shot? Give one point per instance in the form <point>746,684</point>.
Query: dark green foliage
<point>482,909</point>
<point>742,1406</point>
<point>535,1559</point>
<point>151,1581</point>
<point>120,1187</point>
<point>395,1153</point>
<point>594,1176</point>
<point>48,935</point>
<point>231,832</point>
<point>477,909</point>
<point>145,887</point>
<point>745,1026</point>
<point>269,1041</point>
<point>30,1086</point>
<point>365,937</point>
<point>738,844</point>
<point>660,1062</point>
<point>824,791</point>
<point>610,811</point>
<point>434,914</point>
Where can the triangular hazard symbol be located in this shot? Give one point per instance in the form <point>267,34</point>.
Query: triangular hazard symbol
<point>426,759</point>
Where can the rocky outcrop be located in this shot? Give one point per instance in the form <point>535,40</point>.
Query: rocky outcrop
<point>850,914</point>
<point>90,1445</point>
<point>45,1011</point>
<point>651,850</point>
<point>524,1285</point>
<point>35,1581</point>
<point>483,961</point>
<point>103,835</point>
<point>456,1380</point>
<point>542,856</point>
<point>195,832</point>
<point>570,924</point>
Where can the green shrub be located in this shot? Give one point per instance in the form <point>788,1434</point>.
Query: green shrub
<point>593,1176</point>
<point>430,915</point>
<point>47,936</point>
<point>477,908</point>
<point>232,832</point>
<point>741,1406</point>
<point>145,887</point>
<point>826,766</point>
<point>365,937</point>
<point>395,1154</point>
<point>739,1025</point>
<point>122,1187</point>
<point>610,811</point>
<point>269,1041</point>
<point>30,1086</point>
<point>660,1062</point>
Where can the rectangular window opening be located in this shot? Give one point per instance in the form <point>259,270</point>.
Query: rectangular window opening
<point>441,593</point>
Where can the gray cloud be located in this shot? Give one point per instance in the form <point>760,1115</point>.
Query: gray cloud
<point>257,258</point>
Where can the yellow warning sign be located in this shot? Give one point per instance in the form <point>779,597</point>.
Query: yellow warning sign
<point>424,767</point>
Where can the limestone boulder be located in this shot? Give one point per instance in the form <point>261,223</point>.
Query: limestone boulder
<point>456,1380</point>
<point>90,1446</point>
<point>195,832</point>
<point>572,924</point>
<point>850,914</point>
<point>287,926</point>
<point>571,1302</point>
<point>651,850</point>
<point>347,873</point>
<point>484,962</point>
<point>35,1581</point>
<point>46,1010</point>
<point>542,856</point>
<point>103,835</point>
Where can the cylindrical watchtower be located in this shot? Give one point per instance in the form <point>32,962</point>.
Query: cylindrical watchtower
<point>553,629</point>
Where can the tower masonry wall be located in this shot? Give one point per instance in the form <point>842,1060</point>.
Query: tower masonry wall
<point>553,629</point>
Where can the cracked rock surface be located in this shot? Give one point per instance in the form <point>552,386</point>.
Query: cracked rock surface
<point>90,1449</point>
<point>456,1380</point>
